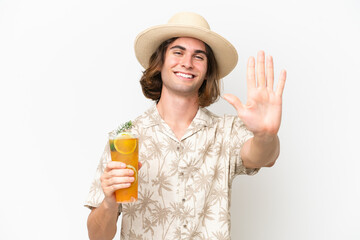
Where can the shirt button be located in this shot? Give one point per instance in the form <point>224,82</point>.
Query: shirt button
<point>181,173</point>
<point>183,200</point>
<point>178,148</point>
<point>184,226</point>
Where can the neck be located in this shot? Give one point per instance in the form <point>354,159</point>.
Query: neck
<point>178,112</point>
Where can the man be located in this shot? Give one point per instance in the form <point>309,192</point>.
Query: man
<point>189,155</point>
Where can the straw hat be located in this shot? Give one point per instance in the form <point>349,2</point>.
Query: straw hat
<point>186,24</point>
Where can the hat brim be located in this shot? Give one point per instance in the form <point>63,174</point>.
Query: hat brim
<point>149,40</point>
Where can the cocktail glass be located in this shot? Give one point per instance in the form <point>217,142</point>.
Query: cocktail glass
<point>125,148</point>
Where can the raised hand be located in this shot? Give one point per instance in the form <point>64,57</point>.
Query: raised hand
<point>262,112</point>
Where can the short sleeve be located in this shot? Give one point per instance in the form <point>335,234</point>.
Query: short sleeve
<point>96,194</point>
<point>239,134</point>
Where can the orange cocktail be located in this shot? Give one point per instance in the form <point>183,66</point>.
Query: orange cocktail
<point>125,148</point>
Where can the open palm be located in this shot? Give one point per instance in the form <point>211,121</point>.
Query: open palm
<point>262,112</point>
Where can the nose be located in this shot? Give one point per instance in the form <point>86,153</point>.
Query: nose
<point>186,61</point>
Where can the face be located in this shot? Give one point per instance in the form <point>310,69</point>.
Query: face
<point>184,67</point>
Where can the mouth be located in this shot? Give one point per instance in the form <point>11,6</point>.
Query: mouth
<point>184,75</point>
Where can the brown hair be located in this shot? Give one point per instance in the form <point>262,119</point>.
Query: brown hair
<point>151,82</point>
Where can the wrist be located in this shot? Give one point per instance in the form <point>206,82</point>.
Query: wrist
<point>110,204</point>
<point>265,138</point>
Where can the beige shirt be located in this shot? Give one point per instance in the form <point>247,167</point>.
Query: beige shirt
<point>184,186</point>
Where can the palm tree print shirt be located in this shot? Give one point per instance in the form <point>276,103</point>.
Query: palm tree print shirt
<point>184,186</point>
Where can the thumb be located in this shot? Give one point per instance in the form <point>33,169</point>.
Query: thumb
<point>233,100</point>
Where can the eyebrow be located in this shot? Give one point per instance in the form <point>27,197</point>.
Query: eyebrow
<point>183,48</point>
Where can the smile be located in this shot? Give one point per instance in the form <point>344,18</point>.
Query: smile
<point>184,75</point>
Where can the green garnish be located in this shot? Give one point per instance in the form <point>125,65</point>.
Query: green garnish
<point>112,146</point>
<point>124,128</point>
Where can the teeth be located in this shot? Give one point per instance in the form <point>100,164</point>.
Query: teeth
<point>185,75</point>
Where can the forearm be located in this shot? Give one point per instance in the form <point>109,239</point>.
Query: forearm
<point>260,152</point>
<point>102,222</point>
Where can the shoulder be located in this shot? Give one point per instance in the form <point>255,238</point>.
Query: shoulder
<point>145,119</point>
<point>149,118</point>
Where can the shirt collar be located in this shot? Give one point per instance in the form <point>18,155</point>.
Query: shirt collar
<point>203,118</point>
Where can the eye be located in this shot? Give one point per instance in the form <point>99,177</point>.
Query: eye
<point>199,57</point>
<point>177,53</point>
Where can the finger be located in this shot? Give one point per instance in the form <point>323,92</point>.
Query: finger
<point>109,186</point>
<point>233,100</point>
<point>109,190</point>
<point>121,172</point>
<point>269,73</point>
<point>114,164</point>
<point>261,69</point>
<point>119,180</point>
<point>281,83</point>
<point>120,186</point>
<point>250,74</point>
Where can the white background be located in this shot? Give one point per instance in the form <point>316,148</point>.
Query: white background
<point>69,75</point>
